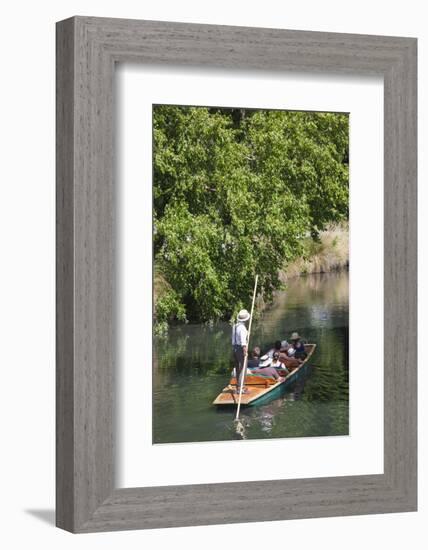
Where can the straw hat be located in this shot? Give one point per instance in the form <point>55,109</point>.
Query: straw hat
<point>243,315</point>
<point>295,336</point>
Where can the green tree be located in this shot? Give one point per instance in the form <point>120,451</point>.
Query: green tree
<point>308,153</point>
<point>235,193</point>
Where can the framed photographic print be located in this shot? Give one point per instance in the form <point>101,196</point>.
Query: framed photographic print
<point>236,274</point>
<point>237,205</point>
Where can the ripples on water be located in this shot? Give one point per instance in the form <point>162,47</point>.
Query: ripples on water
<point>193,364</point>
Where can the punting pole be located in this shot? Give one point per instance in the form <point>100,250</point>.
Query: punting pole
<point>239,426</point>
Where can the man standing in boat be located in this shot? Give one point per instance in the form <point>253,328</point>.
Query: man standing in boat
<point>240,346</point>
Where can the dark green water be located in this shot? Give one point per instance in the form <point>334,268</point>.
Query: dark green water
<point>193,364</point>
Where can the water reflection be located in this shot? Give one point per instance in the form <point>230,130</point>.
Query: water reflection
<point>192,365</point>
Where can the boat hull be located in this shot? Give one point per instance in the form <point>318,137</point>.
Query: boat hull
<point>260,389</point>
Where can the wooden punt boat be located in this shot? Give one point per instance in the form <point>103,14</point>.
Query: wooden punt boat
<point>262,388</point>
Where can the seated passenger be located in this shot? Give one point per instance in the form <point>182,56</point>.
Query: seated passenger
<point>265,368</point>
<point>286,356</point>
<point>276,360</point>
<point>254,360</point>
<point>277,363</point>
<point>267,371</point>
<point>298,346</point>
<point>290,351</point>
<point>276,347</point>
<point>284,346</point>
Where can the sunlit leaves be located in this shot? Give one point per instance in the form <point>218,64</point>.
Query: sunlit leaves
<point>235,193</point>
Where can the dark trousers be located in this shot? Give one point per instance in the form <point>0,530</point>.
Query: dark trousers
<point>239,358</point>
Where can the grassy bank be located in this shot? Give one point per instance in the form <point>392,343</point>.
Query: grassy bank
<point>329,253</point>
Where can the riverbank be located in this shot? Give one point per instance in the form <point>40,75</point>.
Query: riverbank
<point>329,253</point>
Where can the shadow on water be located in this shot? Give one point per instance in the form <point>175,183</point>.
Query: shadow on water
<point>193,364</point>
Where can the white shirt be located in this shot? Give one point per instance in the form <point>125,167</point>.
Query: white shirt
<point>239,334</point>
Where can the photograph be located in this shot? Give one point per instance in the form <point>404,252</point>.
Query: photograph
<point>250,274</point>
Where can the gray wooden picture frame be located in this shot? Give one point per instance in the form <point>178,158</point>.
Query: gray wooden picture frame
<point>87,50</point>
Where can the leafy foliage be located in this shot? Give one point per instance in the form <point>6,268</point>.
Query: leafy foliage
<point>235,194</point>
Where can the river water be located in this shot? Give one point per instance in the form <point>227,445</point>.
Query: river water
<point>193,364</point>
